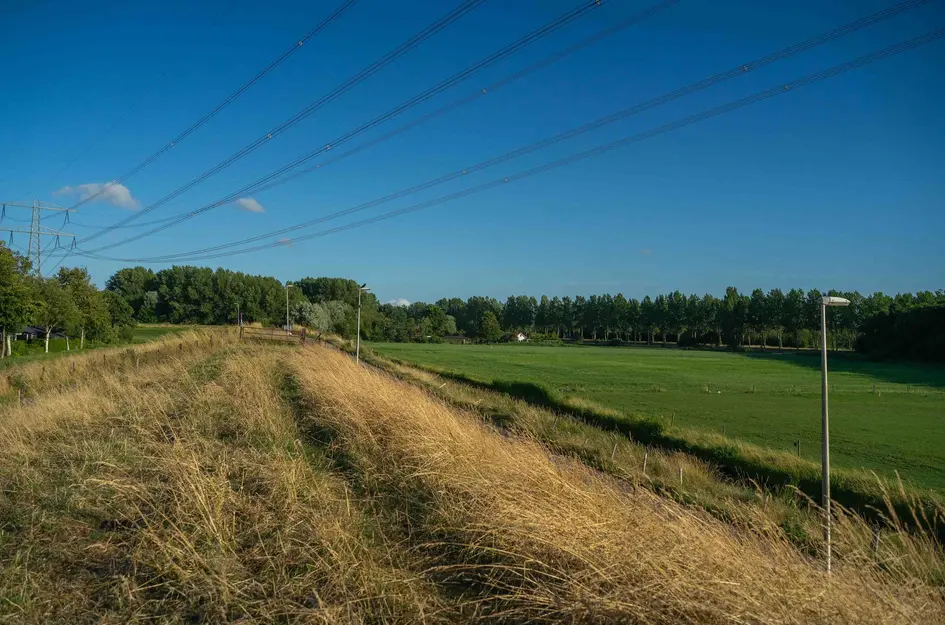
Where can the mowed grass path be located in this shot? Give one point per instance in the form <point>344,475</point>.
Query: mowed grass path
<point>768,399</point>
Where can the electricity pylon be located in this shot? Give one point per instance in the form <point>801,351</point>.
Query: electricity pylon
<point>37,231</point>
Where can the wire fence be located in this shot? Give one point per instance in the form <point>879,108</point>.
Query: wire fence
<point>273,335</point>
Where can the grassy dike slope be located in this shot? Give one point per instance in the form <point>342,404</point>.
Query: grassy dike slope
<point>181,492</point>
<point>538,537</point>
<point>239,483</point>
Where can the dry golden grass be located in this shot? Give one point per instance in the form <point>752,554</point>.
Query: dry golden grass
<point>191,487</point>
<point>181,492</point>
<point>537,537</point>
<point>898,548</point>
<point>34,377</point>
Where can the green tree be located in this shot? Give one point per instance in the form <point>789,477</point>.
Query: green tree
<point>758,316</point>
<point>93,318</point>
<point>121,314</point>
<point>661,315</point>
<point>774,314</point>
<point>489,329</point>
<point>543,314</point>
<point>54,308</point>
<point>676,305</point>
<point>16,295</point>
<point>313,316</point>
<point>793,318</point>
<point>132,284</point>
<point>648,318</point>
<point>735,317</point>
<point>620,315</point>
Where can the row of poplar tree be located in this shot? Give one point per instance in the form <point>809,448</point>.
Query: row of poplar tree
<point>905,325</point>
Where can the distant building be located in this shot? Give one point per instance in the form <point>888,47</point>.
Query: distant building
<point>32,332</point>
<point>455,338</point>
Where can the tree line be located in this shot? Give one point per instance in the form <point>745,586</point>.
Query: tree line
<point>905,325</point>
<point>67,302</point>
<point>200,295</point>
<point>772,318</point>
<point>876,322</point>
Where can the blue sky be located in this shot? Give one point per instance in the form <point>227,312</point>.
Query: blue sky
<point>836,185</point>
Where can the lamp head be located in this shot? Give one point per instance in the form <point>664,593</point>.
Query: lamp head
<point>831,300</point>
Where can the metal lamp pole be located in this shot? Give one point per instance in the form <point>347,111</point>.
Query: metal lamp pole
<point>287,287</point>
<point>827,300</point>
<point>357,350</point>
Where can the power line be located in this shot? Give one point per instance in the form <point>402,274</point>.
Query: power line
<point>140,225</point>
<point>390,57</point>
<point>338,12</point>
<point>486,62</point>
<point>715,79</point>
<point>596,151</point>
<point>479,93</point>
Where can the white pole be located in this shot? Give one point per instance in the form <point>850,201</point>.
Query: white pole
<point>825,435</point>
<point>357,351</point>
<point>287,330</point>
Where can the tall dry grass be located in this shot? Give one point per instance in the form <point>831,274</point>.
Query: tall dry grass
<point>181,492</point>
<point>65,371</point>
<point>535,537</point>
<point>896,546</point>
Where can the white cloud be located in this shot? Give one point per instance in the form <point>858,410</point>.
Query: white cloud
<point>251,205</point>
<point>399,302</point>
<point>112,192</point>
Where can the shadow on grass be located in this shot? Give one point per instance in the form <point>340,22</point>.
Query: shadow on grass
<point>849,490</point>
<point>905,373</point>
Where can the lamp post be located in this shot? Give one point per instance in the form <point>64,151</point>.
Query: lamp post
<point>287,287</point>
<point>357,351</point>
<point>827,300</point>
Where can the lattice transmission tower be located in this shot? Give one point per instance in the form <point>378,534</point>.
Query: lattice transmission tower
<point>37,231</point>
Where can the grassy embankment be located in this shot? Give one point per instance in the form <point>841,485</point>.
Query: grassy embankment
<point>533,536</point>
<point>741,459</point>
<point>57,347</point>
<point>219,482</point>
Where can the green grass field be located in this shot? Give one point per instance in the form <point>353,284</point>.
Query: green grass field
<point>884,417</point>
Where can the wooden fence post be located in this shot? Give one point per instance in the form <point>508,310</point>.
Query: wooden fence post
<point>645,454</point>
<point>680,475</point>
<point>241,333</point>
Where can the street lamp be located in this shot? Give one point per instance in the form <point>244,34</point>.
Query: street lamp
<point>827,300</point>
<point>287,287</point>
<point>357,350</point>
